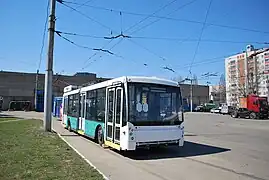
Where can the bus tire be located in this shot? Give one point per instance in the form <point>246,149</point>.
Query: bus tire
<point>99,135</point>
<point>69,126</point>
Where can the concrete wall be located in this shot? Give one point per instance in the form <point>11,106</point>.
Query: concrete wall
<point>15,86</point>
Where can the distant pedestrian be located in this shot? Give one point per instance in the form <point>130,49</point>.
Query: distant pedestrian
<point>61,111</point>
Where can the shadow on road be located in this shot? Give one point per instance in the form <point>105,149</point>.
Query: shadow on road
<point>6,115</point>
<point>190,149</point>
<point>69,135</point>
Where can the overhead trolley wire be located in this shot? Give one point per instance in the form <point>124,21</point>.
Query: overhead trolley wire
<point>85,15</point>
<point>200,36</point>
<point>158,10</point>
<point>151,23</point>
<point>163,38</point>
<point>172,18</point>
<point>43,36</point>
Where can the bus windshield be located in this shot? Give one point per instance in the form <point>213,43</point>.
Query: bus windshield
<point>151,104</point>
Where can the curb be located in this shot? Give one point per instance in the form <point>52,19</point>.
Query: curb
<point>104,176</point>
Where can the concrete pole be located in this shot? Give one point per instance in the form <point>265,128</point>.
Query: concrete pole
<point>49,72</point>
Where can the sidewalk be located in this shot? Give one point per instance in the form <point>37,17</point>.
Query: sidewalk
<point>112,164</point>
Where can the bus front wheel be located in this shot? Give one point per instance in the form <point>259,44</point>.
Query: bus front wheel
<point>100,136</point>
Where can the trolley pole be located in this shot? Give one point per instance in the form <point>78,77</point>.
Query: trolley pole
<point>49,72</point>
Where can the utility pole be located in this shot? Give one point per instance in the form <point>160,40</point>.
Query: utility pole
<point>191,91</point>
<point>191,94</point>
<point>49,72</point>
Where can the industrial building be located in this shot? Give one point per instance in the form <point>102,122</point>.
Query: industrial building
<point>247,72</point>
<point>200,95</point>
<point>18,86</point>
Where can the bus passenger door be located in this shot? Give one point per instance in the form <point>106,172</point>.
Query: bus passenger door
<point>81,124</point>
<point>114,114</point>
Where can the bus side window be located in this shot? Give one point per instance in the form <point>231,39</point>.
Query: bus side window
<point>124,109</point>
<point>70,104</point>
<point>100,104</point>
<point>91,110</point>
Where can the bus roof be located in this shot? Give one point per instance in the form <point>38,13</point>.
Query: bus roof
<point>123,79</point>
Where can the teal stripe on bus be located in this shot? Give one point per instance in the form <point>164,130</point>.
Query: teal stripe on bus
<point>73,122</point>
<point>90,127</point>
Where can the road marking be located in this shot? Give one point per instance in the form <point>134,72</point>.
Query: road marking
<point>83,157</point>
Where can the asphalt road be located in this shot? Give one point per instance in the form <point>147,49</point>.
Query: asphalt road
<point>216,147</point>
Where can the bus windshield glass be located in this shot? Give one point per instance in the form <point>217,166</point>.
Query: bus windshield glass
<point>151,104</point>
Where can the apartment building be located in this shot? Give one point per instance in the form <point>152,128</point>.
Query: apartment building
<point>246,72</point>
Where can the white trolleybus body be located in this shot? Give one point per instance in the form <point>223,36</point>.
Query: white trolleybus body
<point>127,113</point>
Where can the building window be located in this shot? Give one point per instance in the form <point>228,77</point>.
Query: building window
<point>232,62</point>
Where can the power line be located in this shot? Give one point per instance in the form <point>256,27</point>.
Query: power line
<point>201,34</point>
<point>43,36</point>
<point>194,40</point>
<point>81,5</point>
<point>150,15</point>
<point>85,15</point>
<point>205,61</point>
<point>172,18</point>
<point>123,36</point>
<point>163,7</point>
<point>163,38</point>
<point>145,48</point>
<point>81,46</point>
<point>182,41</point>
<point>81,35</point>
<point>92,56</point>
<point>180,7</point>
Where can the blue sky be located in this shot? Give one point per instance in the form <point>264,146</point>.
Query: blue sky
<point>22,24</point>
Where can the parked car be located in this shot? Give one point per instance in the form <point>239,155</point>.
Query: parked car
<point>215,110</point>
<point>225,109</point>
<point>208,106</point>
<point>199,109</point>
<point>240,113</point>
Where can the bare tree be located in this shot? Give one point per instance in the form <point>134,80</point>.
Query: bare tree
<point>222,89</point>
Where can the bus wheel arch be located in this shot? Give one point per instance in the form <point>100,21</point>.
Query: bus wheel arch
<point>99,135</point>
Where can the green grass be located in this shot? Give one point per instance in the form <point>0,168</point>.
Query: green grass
<point>27,152</point>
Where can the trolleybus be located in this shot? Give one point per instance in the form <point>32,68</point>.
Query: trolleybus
<point>126,113</point>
